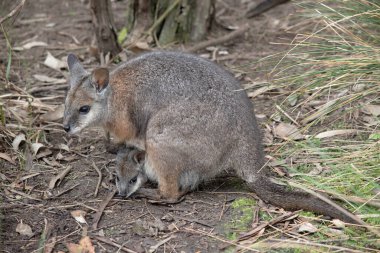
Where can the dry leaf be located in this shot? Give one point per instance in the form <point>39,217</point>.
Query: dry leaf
<point>84,246</point>
<point>287,131</point>
<point>79,216</point>
<point>24,229</point>
<point>54,63</point>
<point>332,133</point>
<point>139,47</point>
<point>17,141</point>
<point>7,158</point>
<point>307,227</point>
<point>57,179</point>
<point>260,91</point>
<point>30,45</point>
<point>36,147</point>
<point>54,115</point>
<point>64,147</point>
<point>338,223</point>
<point>372,110</point>
<point>47,79</point>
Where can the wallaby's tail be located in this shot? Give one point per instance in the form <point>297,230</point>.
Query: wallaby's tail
<point>282,196</point>
<point>263,7</point>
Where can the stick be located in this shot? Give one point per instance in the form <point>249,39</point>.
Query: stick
<point>220,40</point>
<point>13,12</point>
<point>99,179</point>
<point>278,219</point>
<point>100,211</point>
<point>108,241</point>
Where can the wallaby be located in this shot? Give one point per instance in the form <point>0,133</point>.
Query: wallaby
<point>189,116</point>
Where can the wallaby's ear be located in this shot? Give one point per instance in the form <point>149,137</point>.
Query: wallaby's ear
<point>75,68</point>
<point>139,157</point>
<point>100,78</point>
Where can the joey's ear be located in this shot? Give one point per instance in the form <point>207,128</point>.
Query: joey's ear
<point>100,78</point>
<point>139,157</point>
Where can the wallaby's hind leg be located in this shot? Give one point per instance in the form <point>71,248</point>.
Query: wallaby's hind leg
<point>167,171</point>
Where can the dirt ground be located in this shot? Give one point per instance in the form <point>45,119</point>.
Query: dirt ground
<point>197,224</point>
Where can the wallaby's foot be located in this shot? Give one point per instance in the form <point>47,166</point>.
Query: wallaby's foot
<point>154,196</point>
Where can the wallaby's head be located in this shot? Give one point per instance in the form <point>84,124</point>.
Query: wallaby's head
<point>86,99</point>
<point>130,175</point>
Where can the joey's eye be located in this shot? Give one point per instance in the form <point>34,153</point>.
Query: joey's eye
<point>133,180</point>
<point>84,109</point>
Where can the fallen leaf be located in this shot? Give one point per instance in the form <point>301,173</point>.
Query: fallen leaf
<point>36,147</point>
<point>64,147</point>
<point>58,178</point>
<point>47,79</point>
<point>332,133</point>
<point>84,246</point>
<point>260,91</point>
<point>372,110</point>
<point>307,227</point>
<point>17,141</point>
<point>54,115</point>
<point>338,223</point>
<point>30,45</point>
<point>54,63</point>
<point>287,131</point>
<point>79,216</point>
<point>6,157</point>
<point>87,244</point>
<point>24,229</point>
<point>139,47</point>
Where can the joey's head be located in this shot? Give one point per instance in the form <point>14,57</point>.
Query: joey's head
<point>86,100</point>
<point>130,175</point>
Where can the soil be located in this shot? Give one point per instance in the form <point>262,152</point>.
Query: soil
<point>194,225</point>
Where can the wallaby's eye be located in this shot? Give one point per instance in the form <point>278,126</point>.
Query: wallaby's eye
<point>133,180</point>
<point>84,109</point>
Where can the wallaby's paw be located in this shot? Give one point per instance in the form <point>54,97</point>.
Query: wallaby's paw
<point>167,201</point>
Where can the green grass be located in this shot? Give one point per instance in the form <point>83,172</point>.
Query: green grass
<point>329,73</point>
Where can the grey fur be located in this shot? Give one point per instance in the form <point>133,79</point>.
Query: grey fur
<point>194,121</point>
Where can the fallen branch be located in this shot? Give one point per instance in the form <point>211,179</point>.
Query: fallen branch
<point>103,206</point>
<point>13,12</point>
<point>220,40</point>
<point>99,179</point>
<point>108,241</point>
<point>285,216</point>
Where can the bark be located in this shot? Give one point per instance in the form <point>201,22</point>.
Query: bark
<point>105,31</point>
<point>169,21</point>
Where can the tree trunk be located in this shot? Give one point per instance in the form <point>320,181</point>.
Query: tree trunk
<point>105,31</point>
<point>169,21</point>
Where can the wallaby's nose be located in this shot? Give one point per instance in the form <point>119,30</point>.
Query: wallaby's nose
<point>67,128</point>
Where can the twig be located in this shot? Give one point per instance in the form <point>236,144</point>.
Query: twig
<point>100,211</point>
<point>64,191</point>
<point>108,241</point>
<point>162,17</point>
<point>278,219</point>
<point>23,194</point>
<point>220,40</point>
<point>155,247</point>
<point>99,179</point>
<point>13,12</point>
<point>203,223</point>
<point>218,238</point>
<point>287,115</point>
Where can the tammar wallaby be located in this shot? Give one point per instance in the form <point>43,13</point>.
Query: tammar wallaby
<point>189,116</point>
